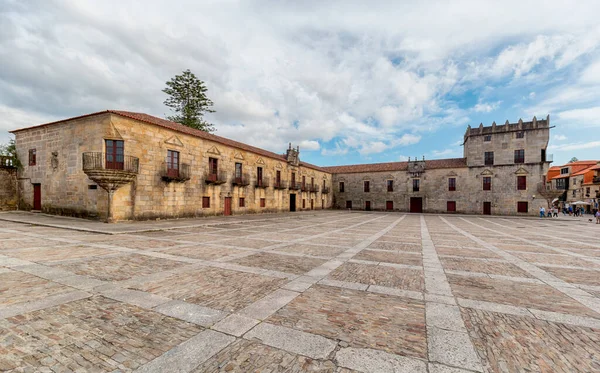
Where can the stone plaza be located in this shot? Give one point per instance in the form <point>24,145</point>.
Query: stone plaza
<point>316,291</point>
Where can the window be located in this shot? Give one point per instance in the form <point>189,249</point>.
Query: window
<point>263,202</point>
<point>341,187</point>
<point>416,184</point>
<point>487,183</point>
<point>96,187</point>
<point>278,178</point>
<point>303,203</point>
<point>32,157</point>
<point>242,202</point>
<point>521,182</point>
<point>543,155</point>
<point>451,206</point>
<point>564,171</point>
<point>574,193</point>
<point>452,184</point>
<point>520,135</point>
<point>293,179</point>
<point>487,138</point>
<point>259,178</point>
<point>390,185</point>
<point>522,207</point>
<point>587,191</point>
<point>561,184</point>
<point>238,171</point>
<point>520,156</point>
<point>323,190</point>
<point>172,163</point>
<point>303,182</point>
<point>213,166</point>
<point>348,204</point>
<point>115,155</point>
<point>366,187</point>
<point>205,202</point>
<point>488,158</point>
<point>312,182</point>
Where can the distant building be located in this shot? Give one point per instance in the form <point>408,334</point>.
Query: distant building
<point>153,168</point>
<point>579,181</point>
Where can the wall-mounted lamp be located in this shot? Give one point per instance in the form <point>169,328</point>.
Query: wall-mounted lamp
<point>533,196</point>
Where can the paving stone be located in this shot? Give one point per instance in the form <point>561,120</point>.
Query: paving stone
<point>268,305</point>
<point>408,279</point>
<point>18,287</point>
<point>508,343</point>
<point>190,312</point>
<point>375,361</point>
<point>452,348</point>
<point>291,340</point>
<point>444,316</point>
<point>235,325</point>
<point>361,319</point>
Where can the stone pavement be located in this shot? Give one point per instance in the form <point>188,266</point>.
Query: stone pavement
<point>327,291</point>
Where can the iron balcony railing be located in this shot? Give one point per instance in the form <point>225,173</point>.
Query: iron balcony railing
<point>261,183</point>
<point>7,162</point>
<point>178,173</point>
<point>596,179</point>
<point>304,187</point>
<point>216,177</point>
<point>297,186</point>
<point>241,180</point>
<point>314,188</point>
<point>325,190</point>
<point>96,161</point>
<point>280,184</point>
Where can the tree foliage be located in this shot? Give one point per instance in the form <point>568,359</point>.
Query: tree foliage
<point>187,98</point>
<point>574,159</point>
<point>10,150</point>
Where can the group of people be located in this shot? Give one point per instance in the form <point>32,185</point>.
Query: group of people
<point>577,211</point>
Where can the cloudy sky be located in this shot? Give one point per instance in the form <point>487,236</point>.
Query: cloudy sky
<point>349,81</point>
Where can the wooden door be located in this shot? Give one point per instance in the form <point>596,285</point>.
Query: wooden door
<point>389,205</point>
<point>368,205</point>
<point>227,210</point>
<point>292,202</point>
<point>487,208</point>
<point>312,204</point>
<point>416,204</point>
<point>37,197</point>
<point>115,154</point>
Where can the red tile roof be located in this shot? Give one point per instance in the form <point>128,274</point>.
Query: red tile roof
<point>183,129</point>
<point>396,166</point>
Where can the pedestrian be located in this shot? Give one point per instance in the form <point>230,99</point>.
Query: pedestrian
<point>554,212</point>
<point>570,210</point>
<point>542,211</point>
<point>598,217</point>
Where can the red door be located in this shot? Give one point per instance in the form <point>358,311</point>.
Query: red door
<point>115,154</point>
<point>416,204</point>
<point>227,211</point>
<point>389,205</point>
<point>37,197</point>
<point>487,208</point>
<point>368,205</point>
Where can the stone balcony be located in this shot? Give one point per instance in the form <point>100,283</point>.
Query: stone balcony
<point>241,180</point>
<point>179,174</point>
<point>261,183</point>
<point>110,172</point>
<point>216,177</point>
<point>280,184</point>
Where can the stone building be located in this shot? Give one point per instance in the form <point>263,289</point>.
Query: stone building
<point>8,184</point>
<point>119,165</point>
<point>502,172</point>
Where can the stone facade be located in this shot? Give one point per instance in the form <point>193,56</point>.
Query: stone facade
<point>504,170</point>
<point>8,187</point>
<point>67,190</point>
<point>150,191</point>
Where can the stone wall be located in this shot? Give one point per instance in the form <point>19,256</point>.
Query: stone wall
<point>8,188</point>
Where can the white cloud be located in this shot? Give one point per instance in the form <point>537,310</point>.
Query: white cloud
<point>483,107</point>
<point>559,137</point>
<point>402,158</point>
<point>575,146</point>
<point>309,145</point>
<point>581,118</point>
<point>446,153</point>
<point>407,139</point>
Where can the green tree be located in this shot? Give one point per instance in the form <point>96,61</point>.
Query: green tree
<point>187,98</point>
<point>10,150</point>
<point>574,159</point>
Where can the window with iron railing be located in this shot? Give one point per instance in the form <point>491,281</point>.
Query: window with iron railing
<point>452,184</point>
<point>416,185</point>
<point>172,163</point>
<point>115,154</point>
<point>390,185</point>
<point>213,166</point>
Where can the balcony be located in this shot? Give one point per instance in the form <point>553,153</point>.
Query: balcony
<point>304,187</point>
<point>178,175</point>
<point>325,190</point>
<point>298,186</point>
<point>313,188</point>
<point>261,183</point>
<point>596,180</point>
<point>280,184</point>
<point>216,178</point>
<point>241,180</point>
<point>7,162</point>
<point>110,172</point>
